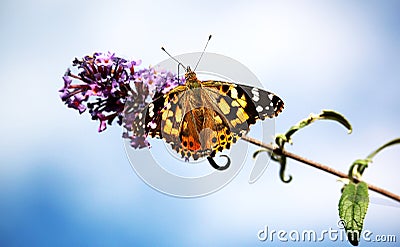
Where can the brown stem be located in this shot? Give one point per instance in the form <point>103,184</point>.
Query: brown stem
<point>318,166</point>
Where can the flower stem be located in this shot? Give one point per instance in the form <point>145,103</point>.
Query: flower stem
<point>317,165</point>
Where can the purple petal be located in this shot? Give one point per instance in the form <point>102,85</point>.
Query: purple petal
<point>76,103</point>
<point>103,122</point>
<point>105,59</point>
<point>139,142</point>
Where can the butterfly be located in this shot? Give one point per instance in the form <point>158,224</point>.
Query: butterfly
<point>200,118</point>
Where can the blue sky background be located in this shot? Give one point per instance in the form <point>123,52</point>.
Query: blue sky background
<point>62,183</point>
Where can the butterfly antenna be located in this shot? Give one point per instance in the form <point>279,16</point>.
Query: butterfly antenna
<point>209,37</point>
<point>176,60</point>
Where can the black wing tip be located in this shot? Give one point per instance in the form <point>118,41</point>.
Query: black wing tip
<point>280,107</point>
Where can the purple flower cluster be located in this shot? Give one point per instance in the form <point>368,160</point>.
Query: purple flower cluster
<point>110,87</point>
<point>148,84</point>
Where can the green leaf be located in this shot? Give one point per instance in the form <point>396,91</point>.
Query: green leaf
<point>333,115</point>
<point>353,207</point>
<point>358,167</point>
<point>281,159</point>
<point>256,153</point>
<point>282,139</point>
<point>392,142</point>
<point>303,123</point>
<point>324,115</point>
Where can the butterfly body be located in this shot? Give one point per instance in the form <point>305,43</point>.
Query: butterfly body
<point>201,118</point>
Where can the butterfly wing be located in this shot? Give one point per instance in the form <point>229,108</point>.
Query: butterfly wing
<point>242,105</point>
<point>206,120</point>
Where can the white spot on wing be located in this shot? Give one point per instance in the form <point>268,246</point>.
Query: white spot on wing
<point>152,125</point>
<point>151,109</point>
<point>256,94</point>
<point>254,91</point>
